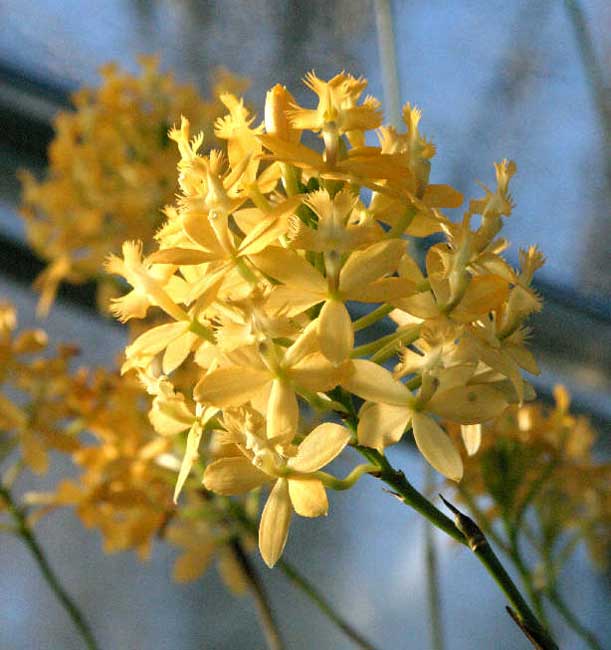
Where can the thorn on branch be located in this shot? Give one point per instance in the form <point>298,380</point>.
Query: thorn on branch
<point>530,634</point>
<point>472,532</point>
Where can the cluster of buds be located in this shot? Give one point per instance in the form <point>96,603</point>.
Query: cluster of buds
<point>111,171</point>
<point>276,256</point>
<point>536,465</point>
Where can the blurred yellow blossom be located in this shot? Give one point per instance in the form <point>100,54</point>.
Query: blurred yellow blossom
<point>111,170</point>
<point>540,459</point>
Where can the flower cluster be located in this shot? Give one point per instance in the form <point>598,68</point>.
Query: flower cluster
<point>536,468</point>
<point>126,470</point>
<point>274,259</point>
<point>34,394</point>
<point>111,171</point>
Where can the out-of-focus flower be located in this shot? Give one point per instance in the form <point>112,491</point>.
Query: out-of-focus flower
<point>536,465</point>
<point>111,170</point>
<point>35,391</point>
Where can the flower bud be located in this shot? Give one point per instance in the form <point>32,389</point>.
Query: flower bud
<point>277,101</point>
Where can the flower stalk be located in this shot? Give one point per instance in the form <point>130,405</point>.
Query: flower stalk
<point>26,534</point>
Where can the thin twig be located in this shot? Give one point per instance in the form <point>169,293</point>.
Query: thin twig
<point>388,60</point>
<point>572,621</point>
<point>432,576</point>
<point>266,617</point>
<point>464,531</point>
<point>477,542</point>
<point>318,599</point>
<point>302,583</point>
<point>24,531</point>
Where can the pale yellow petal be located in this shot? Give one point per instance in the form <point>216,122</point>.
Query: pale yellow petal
<point>442,196</point>
<point>335,331</point>
<point>275,522</point>
<point>375,384</point>
<point>189,458</point>
<point>435,445</point>
<point>231,386</point>
<point>156,339</point>
<point>170,416</point>
<point>305,344</point>
<point>233,475</point>
<point>422,305</point>
<point>181,256</point>
<point>320,447</point>
<point>289,268</point>
<point>385,290</point>
<point>381,425</point>
<point>282,409</point>
<point>308,497</point>
<point>177,351</point>
<point>363,267</point>
<point>483,294</point>
<point>468,404</point>
<point>316,373</point>
<point>471,436</point>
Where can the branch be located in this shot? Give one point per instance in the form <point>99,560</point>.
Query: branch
<point>24,531</point>
<point>524,617</point>
<point>266,617</point>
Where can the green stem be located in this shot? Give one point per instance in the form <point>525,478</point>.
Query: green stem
<point>572,621</point>
<point>432,576</point>
<point>406,492</point>
<point>402,223</point>
<point>290,179</point>
<point>388,60</point>
<point>323,605</point>
<point>27,535</point>
<point>465,532</point>
<point>594,72</point>
<point>372,317</point>
<point>333,483</point>
<point>266,617</point>
<point>404,334</point>
<point>482,521</point>
<point>527,578</point>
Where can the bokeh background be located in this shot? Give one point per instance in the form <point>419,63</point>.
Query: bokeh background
<point>519,79</point>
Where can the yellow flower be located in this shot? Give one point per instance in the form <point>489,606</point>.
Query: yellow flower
<point>293,471</point>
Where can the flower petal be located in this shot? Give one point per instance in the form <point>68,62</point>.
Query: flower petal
<point>471,436</point>
<point>315,373</point>
<point>320,447</point>
<point>275,522</point>
<point>435,445</point>
<point>177,351</point>
<point>282,410</point>
<point>191,454</point>
<point>381,425</point>
<point>363,267</point>
<point>231,386</point>
<point>335,331</point>
<point>308,497</point>
<point>468,404</point>
<point>375,384</point>
<point>233,475</point>
<point>291,269</point>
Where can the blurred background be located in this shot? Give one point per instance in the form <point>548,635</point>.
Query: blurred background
<point>521,79</point>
